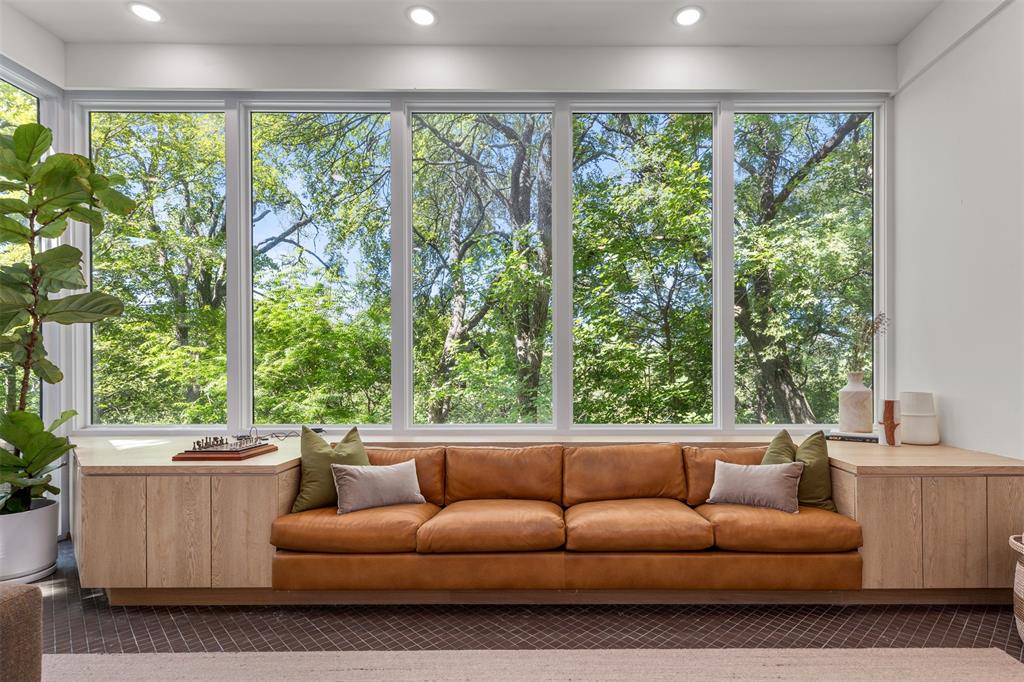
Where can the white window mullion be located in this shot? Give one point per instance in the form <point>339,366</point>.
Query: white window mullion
<point>239,265</point>
<point>723,272</point>
<point>562,274</point>
<point>401,266</point>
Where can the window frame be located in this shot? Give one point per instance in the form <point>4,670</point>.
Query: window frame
<point>238,109</point>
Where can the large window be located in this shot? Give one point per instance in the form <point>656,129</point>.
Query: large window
<point>642,228</point>
<point>164,360</point>
<point>420,265</point>
<point>16,108</point>
<point>321,268</point>
<point>481,280</point>
<point>803,235</point>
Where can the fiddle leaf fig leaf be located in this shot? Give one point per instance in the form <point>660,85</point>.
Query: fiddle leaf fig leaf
<point>59,279</point>
<point>115,202</point>
<point>64,418</point>
<point>11,205</point>
<point>89,216</point>
<point>13,320</point>
<point>63,256</point>
<point>31,141</point>
<point>14,299</point>
<point>88,307</point>
<point>53,230</point>
<point>47,371</point>
<point>13,232</point>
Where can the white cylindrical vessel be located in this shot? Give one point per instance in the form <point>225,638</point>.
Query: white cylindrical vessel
<point>28,543</point>
<point>919,424</point>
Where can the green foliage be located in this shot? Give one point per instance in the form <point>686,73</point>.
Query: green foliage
<point>481,267</point>
<point>16,107</point>
<point>27,469</point>
<point>803,245</point>
<point>642,268</point>
<point>164,360</point>
<point>44,195</point>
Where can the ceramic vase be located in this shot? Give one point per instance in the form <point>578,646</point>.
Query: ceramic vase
<point>855,410</point>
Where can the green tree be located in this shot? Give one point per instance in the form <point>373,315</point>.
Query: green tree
<point>642,270</point>
<point>482,267</point>
<point>804,218</point>
<point>321,268</point>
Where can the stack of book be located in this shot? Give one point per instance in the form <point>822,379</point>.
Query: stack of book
<point>836,434</point>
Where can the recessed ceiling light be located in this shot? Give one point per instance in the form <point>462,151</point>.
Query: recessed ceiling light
<point>422,16</point>
<point>145,12</point>
<point>688,16</point>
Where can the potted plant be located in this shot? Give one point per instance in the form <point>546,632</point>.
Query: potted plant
<point>38,199</point>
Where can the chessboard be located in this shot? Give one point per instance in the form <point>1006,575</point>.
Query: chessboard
<point>218,448</point>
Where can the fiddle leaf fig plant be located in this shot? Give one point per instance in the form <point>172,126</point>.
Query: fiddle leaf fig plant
<point>39,197</point>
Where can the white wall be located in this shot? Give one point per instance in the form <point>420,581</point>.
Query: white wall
<point>944,26</point>
<point>492,69</point>
<point>959,236</point>
<point>30,45</point>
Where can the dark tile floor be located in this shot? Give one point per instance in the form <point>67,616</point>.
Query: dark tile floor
<point>81,621</point>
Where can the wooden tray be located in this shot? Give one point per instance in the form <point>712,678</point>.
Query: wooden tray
<point>222,455</point>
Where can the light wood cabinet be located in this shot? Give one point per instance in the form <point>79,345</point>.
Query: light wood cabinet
<point>1005,518</point>
<point>946,531</point>
<point>889,511</point>
<point>955,531</point>
<point>244,507</point>
<point>110,531</point>
<point>178,531</point>
<point>142,521</point>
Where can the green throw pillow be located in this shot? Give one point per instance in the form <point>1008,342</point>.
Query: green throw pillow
<point>317,487</point>
<point>816,482</point>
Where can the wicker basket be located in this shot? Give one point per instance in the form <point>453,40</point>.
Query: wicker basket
<point>1017,543</point>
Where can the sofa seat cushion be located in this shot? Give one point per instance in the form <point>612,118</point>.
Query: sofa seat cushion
<point>641,524</point>
<point>754,529</point>
<point>493,526</point>
<point>377,530</point>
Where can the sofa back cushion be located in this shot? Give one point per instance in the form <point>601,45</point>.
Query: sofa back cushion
<point>618,472</point>
<point>429,467</point>
<point>700,468</point>
<point>483,473</point>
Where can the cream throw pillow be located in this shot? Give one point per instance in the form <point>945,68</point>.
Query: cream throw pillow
<point>364,487</point>
<point>758,485</point>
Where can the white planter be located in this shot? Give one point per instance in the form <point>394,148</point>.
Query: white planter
<point>856,414</point>
<point>28,543</point>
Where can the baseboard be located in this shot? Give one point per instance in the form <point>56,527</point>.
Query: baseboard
<point>236,597</point>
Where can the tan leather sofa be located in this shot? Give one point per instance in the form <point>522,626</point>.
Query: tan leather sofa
<point>615,517</point>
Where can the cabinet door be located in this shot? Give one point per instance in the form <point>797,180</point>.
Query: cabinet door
<point>110,531</point>
<point>178,526</point>
<point>955,532</point>
<point>889,511</point>
<point>1005,518</point>
<point>244,507</point>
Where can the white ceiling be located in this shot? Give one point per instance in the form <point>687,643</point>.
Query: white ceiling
<point>484,22</point>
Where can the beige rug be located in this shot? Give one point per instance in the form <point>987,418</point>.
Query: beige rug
<point>906,665</point>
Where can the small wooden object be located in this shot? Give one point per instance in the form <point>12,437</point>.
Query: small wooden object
<point>889,422</point>
<point>218,449</point>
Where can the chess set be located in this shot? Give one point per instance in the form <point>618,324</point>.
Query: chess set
<point>219,448</point>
